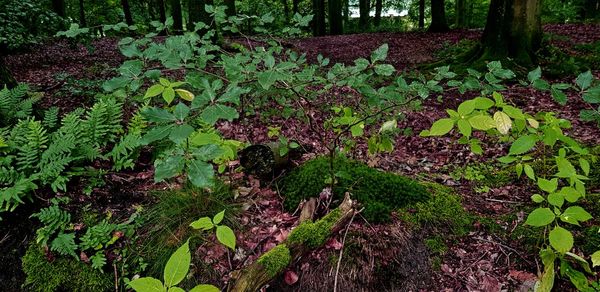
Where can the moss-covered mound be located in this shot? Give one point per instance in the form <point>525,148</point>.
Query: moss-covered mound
<point>62,274</point>
<point>379,192</point>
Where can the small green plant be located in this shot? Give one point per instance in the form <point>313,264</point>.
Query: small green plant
<point>560,182</point>
<point>224,234</point>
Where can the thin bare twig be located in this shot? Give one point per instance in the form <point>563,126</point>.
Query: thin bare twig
<point>337,269</point>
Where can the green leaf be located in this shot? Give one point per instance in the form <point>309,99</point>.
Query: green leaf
<point>548,186</point>
<point>537,198</point>
<point>357,130</point>
<point>475,147</point>
<point>578,213</point>
<point>181,111</point>
<point>540,217</point>
<point>212,113</point>
<point>483,103</point>
<point>200,139</point>
<point>185,95</point>
<point>513,112</point>
<point>205,288</point>
<point>535,74</point>
<point>559,96</point>
<point>178,265</point>
<point>529,171</point>
<point>466,107</point>
<point>156,133</point>
<point>219,217</point>
<point>556,199</point>
<point>584,80</point>
<point>565,168</point>
<point>266,79</point>
<point>388,126</point>
<point>147,284</point>
<point>441,127</point>
<point>158,115</point>
<point>380,54</point>
<point>164,169</point>
<point>482,122</point>
<point>226,236</point>
<point>592,95</point>
<point>523,144</point>
<point>546,281</point>
<point>585,166</point>
<point>201,173</point>
<point>561,239</point>
<point>596,259</point>
<point>384,69</point>
<point>570,194</point>
<point>168,95</point>
<point>203,223</point>
<point>464,127</point>
<point>154,90</point>
<point>175,289</point>
<point>180,133</point>
<point>503,122</point>
<point>164,82</point>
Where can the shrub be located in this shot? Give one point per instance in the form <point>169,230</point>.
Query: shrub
<point>378,191</point>
<point>64,273</point>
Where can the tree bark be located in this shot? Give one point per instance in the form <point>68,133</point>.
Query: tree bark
<point>318,22</point>
<point>6,77</point>
<point>82,21</point>
<point>421,13</point>
<point>255,276</point>
<point>591,9</point>
<point>127,12</point>
<point>286,10</point>
<point>58,6</point>
<point>177,16</point>
<point>295,6</point>
<point>161,10</point>
<point>378,8</point>
<point>230,10</point>
<point>336,25</point>
<point>364,7</point>
<point>461,9</point>
<point>438,17</point>
<point>346,11</point>
<point>197,13</point>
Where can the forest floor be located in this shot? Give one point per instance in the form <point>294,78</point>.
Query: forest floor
<point>481,260</point>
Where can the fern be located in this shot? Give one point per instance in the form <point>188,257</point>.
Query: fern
<point>125,152</point>
<point>102,122</point>
<point>50,118</point>
<point>64,244</point>
<point>16,104</point>
<point>32,144</point>
<point>98,260</point>
<point>54,220</point>
<point>97,236</point>
<point>11,197</point>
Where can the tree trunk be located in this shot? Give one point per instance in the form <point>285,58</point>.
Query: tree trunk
<point>591,9</point>
<point>286,10</point>
<point>421,14</point>
<point>346,11</point>
<point>513,30</point>
<point>319,17</point>
<point>197,13</point>
<point>177,16</point>
<point>127,12</point>
<point>58,6</point>
<point>378,8</point>
<point>336,25</point>
<point>438,17</point>
<point>461,9</point>
<point>82,21</point>
<point>230,10</point>
<point>364,7</point>
<point>295,6</point>
<point>161,10</point>
<point>6,77</point>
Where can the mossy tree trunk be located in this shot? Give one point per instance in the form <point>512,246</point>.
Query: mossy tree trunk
<point>513,30</point>
<point>438,17</point>
<point>261,272</point>
<point>177,16</point>
<point>336,24</point>
<point>378,9</point>
<point>421,13</point>
<point>318,22</point>
<point>460,11</point>
<point>364,7</point>
<point>162,14</point>
<point>6,77</point>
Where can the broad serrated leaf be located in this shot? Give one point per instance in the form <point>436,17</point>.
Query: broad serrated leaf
<point>154,90</point>
<point>548,186</point>
<point>596,259</point>
<point>584,80</point>
<point>212,113</point>
<point>523,144</point>
<point>158,115</point>
<point>205,288</point>
<point>185,95</point>
<point>482,122</point>
<point>380,53</point>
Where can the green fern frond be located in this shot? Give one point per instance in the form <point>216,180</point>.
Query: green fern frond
<point>54,219</point>
<point>64,244</point>
<point>50,118</point>
<point>98,260</point>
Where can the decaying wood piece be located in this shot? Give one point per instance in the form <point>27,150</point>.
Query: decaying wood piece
<point>308,210</point>
<point>304,238</point>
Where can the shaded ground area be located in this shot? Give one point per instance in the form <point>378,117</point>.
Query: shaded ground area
<point>479,261</point>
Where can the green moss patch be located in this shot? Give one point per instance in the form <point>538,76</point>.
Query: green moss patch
<point>276,259</point>
<point>379,192</point>
<point>314,234</point>
<point>443,212</point>
<point>63,274</point>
